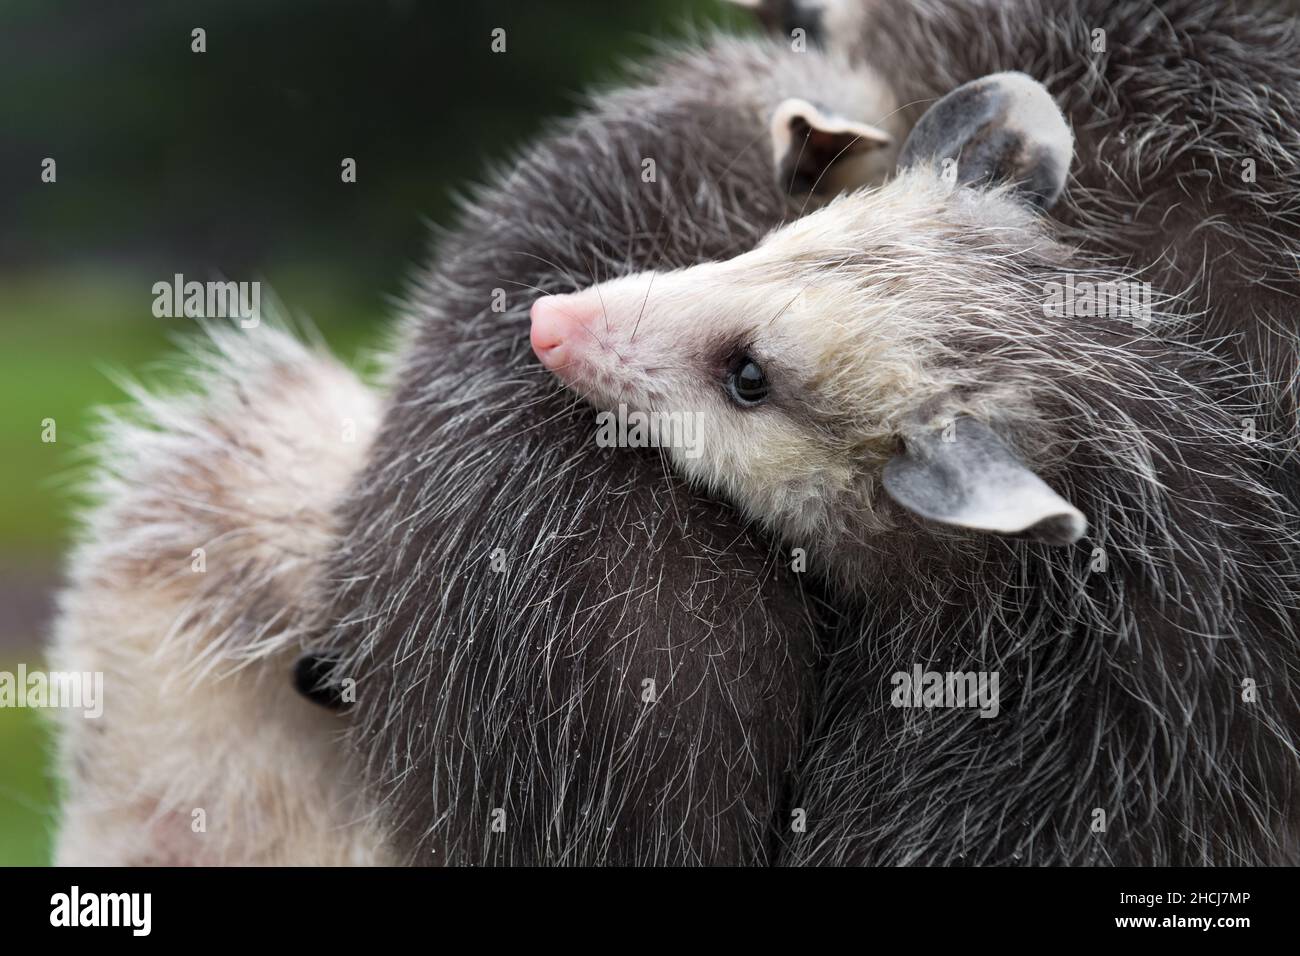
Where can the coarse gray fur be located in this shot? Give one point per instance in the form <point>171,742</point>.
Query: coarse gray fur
<point>507,716</point>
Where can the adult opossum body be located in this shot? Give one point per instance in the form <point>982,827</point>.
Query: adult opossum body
<point>880,384</point>
<point>562,653</point>
<point>1187,116</point>
<point>192,591</point>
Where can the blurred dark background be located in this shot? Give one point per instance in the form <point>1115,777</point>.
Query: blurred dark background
<point>226,164</point>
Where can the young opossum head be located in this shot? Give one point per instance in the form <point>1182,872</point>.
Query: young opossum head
<point>862,347</point>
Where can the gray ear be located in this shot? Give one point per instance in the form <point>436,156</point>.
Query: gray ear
<point>963,474</point>
<point>1003,128</point>
<point>820,153</point>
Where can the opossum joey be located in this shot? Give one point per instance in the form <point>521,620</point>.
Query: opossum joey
<point>848,350</point>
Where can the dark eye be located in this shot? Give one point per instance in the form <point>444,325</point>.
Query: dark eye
<point>746,382</point>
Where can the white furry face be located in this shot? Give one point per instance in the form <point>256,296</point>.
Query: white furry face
<point>800,360</point>
<point>724,348</point>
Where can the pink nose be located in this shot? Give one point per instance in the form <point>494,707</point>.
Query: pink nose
<point>557,323</point>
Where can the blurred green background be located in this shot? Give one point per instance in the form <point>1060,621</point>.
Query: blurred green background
<point>226,164</point>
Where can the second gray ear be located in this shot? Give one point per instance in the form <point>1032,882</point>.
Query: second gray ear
<point>962,474</point>
<point>1003,128</point>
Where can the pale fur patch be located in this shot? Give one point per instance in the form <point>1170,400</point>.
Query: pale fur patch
<point>200,712</point>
